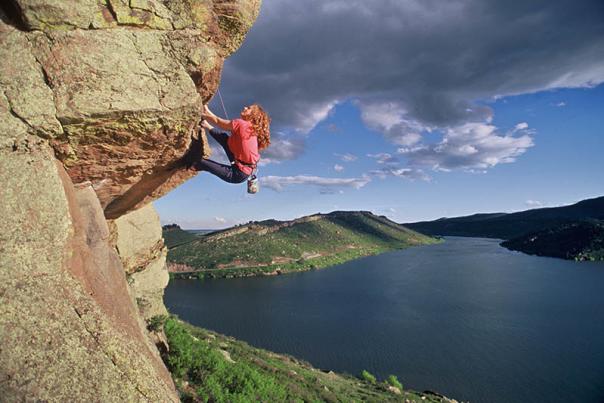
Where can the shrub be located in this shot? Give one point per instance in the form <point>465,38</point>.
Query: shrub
<point>213,378</point>
<point>393,381</point>
<point>156,323</point>
<point>180,358</point>
<point>367,376</point>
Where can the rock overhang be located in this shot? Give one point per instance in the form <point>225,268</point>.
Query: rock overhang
<point>116,86</point>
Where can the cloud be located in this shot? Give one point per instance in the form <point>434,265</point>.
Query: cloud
<point>384,158</point>
<point>412,65</point>
<point>561,104</point>
<point>393,121</point>
<point>470,147</point>
<point>398,172</point>
<point>278,183</point>
<point>533,203</point>
<point>220,220</point>
<point>347,157</point>
<point>338,168</point>
<point>282,148</point>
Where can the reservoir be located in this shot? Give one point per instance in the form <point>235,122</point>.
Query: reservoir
<point>465,318</point>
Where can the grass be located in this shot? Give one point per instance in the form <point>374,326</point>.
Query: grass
<point>274,247</point>
<point>209,367</point>
<point>174,236</point>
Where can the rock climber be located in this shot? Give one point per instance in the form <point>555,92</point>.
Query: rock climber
<point>249,135</point>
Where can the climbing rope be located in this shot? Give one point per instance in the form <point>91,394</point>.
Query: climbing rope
<point>226,115</point>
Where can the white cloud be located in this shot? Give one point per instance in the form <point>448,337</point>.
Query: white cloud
<point>338,168</point>
<point>220,220</point>
<point>405,173</point>
<point>561,104</point>
<point>521,126</point>
<point>533,203</point>
<point>470,147</point>
<point>347,157</point>
<point>278,183</point>
<point>313,114</point>
<point>392,120</point>
<point>384,158</point>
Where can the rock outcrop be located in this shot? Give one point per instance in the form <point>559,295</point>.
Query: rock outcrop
<point>116,86</point>
<point>139,242</point>
<point>98,102</point>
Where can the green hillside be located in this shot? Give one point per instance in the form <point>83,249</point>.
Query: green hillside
<point>576,241</point>
<point>208,366</point>
<point>274,247</point>
<point>507,226</point>
<point>175,236</point>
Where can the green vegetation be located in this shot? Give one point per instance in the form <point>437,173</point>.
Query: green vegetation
<point>368,377</point>
<point>569,232</point>
<point>508,226</point>
<point>392,380</point>
<point>273,247</point>
<point>156,323</point>
<point>575,241</point>
<point>207,366</point>
<point>175,236</point>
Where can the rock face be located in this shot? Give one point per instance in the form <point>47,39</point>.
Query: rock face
<point>116,86</point>
<point>97,105</point>
<point>69,328</point>
<point>139,242</point>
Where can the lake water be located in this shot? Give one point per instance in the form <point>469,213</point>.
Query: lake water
<point>466,318</point>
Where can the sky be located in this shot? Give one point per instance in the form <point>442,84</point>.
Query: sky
<point>412,109</point>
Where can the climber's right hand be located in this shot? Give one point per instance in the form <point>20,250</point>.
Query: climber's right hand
<point>206,112</point>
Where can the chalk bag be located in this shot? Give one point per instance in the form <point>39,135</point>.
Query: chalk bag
<point>252,184</point>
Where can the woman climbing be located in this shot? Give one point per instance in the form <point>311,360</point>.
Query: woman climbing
<point>249,135</point>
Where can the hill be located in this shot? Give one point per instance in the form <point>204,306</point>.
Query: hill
<point>508,226</point>
<point>576,241</point>
<point>208,366</point>
<point>175,236</point>
<point>275,247</point>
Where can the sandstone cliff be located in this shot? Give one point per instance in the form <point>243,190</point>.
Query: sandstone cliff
<point>98,101</point>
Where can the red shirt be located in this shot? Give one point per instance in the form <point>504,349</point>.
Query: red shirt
<point>243,143</point>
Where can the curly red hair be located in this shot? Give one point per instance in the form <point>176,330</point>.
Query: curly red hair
<point>261,123</point>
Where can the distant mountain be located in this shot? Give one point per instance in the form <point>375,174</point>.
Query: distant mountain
<point>576,241</point>
<point>274,247</point>
<point>174,236</point>
<point>507,226</point>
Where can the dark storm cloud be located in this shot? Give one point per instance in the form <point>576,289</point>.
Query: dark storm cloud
<point>413,66</point>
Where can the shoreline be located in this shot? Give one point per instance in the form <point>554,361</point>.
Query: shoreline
<point>277,269</point>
